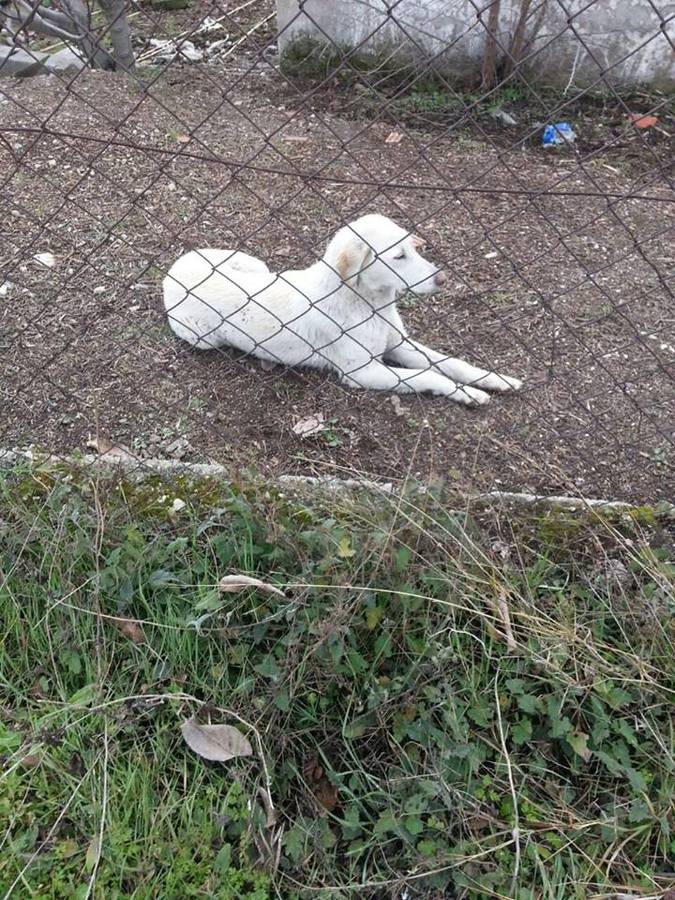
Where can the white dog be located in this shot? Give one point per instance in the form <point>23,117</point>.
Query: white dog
<point>338,314</point>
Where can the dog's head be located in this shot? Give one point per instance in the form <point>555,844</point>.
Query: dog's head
<point>375,255</point>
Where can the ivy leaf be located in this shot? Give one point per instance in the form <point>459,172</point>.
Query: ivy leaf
<point>294,843</point>
<point>386,822</point>
<point>529,703</point>
<point>522,731</point>
<point>559,727</point>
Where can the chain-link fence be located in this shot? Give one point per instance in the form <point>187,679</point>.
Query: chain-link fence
<point>539,185</point>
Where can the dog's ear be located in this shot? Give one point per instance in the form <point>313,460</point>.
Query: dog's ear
<point>353,258</point>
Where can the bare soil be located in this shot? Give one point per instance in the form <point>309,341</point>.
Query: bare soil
<point>116,179</point>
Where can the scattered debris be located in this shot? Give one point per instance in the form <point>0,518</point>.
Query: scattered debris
<point>394,137</point>
<point>215,742</point>
<point>177,448</point>
<point>5,288</point>
<point>503,117</point>
<point>165,51</point>
<point>310,425</point>
<point>178,504</point>
<point>46,259</point>
<point>399,408</point>
<point>492,255</point>
<point>210,24</point>
<point>105,447</point>
<point>558,134</point>
<point>642,122</point>
<point>233,584</point>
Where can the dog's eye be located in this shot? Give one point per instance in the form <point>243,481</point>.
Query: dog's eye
<point>401,255</point>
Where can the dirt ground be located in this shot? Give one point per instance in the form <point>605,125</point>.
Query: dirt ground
<point>573,294</point>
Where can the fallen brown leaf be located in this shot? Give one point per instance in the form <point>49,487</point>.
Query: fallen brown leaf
<point>131,629</point>
<point>325,793</point>
<point>31,760</point>
<point>215,742</point>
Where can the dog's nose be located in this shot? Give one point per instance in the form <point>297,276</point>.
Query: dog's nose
<point>440,278</point>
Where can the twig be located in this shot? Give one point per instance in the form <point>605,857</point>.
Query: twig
<point>574,70</point>
<point>515,833</point>
<point>104,807</point>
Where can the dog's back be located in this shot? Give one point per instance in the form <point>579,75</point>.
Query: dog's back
<point>207,289</point>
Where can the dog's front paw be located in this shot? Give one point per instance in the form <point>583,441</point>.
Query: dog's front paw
<point>471,396</point>
<point>506,383</point>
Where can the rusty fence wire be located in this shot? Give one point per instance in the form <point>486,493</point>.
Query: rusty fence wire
<point>372,225</point>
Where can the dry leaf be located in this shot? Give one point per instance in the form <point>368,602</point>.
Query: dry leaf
<point>47,259</point>
<point>93,852</point>
<point>131,629</point>
<point>643,121</point>
<point>31,760</point>
<point>310,425</point>
<point>324,792</point>
<point>502,609</point>
<point>270,812</point>
<point>394,137</point>
<point>215,742</point>
<point>105,447</point>
<point>183,138</point>
<point>232,584</point>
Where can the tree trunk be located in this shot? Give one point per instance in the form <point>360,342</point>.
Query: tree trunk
<point>95,55</point>
<point>489,73</point>
<point>516,54</point>
<point>120,33</point>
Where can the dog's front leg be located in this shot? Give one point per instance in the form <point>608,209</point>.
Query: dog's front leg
<point>378,377</point>
<point>417,356</point>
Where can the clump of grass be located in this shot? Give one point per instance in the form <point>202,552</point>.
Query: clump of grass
<point>487,698</point>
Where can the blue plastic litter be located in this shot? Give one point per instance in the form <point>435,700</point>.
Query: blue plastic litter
<point>560,133</point>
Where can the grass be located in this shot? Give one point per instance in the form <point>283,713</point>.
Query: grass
<point>412,743</point>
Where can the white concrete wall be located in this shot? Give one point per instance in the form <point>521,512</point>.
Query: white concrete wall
<point>600,36</point>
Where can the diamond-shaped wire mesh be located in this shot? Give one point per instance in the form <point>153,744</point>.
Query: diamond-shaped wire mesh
<point>558,260</point>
